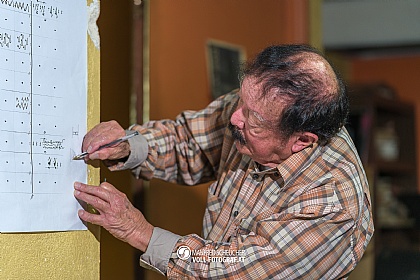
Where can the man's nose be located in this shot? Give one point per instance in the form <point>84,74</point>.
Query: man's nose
<point>237,119</point>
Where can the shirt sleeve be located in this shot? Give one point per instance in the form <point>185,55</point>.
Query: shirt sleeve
<point>186,150</point>
<point>138,154</point>
<point>159,250</point>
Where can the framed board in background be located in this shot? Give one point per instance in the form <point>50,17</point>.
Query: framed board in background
<point>224,61</point>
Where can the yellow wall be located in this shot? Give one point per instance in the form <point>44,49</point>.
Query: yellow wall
<point>57,255</point>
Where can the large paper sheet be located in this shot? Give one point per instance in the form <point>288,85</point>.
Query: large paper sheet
<point>43,93</point>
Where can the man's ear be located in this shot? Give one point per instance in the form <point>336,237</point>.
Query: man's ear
<point>304,140</point>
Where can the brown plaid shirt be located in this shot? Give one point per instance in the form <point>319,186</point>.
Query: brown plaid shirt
<point>309,218</point>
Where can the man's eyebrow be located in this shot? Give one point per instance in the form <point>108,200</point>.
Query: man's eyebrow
<point>257,115</point>
<point>250,111</point>
<point>267,123</point>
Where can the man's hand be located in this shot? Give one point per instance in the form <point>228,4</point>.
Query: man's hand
<point>116,214</point>
<point>102,134</point>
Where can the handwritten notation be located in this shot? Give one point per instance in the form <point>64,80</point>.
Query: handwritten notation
<point>23,103</point>
<point>49,144</point>
<point>38,8</point>
<point>5,39</point>
<point>22,41</point>
<point>18,5</point>
<point>46,10</point>
<point>53,163</point>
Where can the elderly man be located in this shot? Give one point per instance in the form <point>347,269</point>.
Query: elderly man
<point>290,197</point>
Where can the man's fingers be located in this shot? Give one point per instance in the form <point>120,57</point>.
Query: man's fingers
<point>102,134</point>
<point>111,153</point>
<point>101,155</point>
<point>90,218</point>
<point>102,191</point>
<point>99,204</point>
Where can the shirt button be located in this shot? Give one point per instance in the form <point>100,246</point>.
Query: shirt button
<point>235,213</point>
<point>255,176</point>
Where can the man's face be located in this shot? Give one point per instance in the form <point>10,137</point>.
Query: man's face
<point>254,125</point>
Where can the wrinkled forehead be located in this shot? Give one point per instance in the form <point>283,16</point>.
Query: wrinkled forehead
<point>267,106</point>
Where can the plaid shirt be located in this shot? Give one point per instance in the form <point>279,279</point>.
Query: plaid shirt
<point>309,218</point>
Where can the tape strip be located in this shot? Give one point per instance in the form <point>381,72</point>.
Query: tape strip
<point>93,15</point>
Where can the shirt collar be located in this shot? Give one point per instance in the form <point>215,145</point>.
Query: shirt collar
<point>297,163</point>
<point>289,168</point>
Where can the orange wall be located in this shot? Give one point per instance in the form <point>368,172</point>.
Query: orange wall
<point>179,31</point>
<point>400,72</point>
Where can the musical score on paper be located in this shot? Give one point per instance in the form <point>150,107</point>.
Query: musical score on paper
<point>42,99</point>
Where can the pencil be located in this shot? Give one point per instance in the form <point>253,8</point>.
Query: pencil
<point>112,143</point>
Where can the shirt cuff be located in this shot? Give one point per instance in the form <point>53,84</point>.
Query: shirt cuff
<point>159,251</point>
<point>139,149</point>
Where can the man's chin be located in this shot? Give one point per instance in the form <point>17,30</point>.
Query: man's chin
<point>238,143</point>
<point>241,148</point>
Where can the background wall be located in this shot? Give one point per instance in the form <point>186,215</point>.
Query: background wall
<point>179,32</point>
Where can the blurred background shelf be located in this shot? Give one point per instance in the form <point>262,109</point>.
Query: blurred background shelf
<point>383,129</point>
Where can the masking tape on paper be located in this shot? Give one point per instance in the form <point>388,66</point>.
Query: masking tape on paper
<point>93,15</point>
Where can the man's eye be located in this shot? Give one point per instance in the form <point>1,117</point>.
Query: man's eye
<point>256,130</point>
